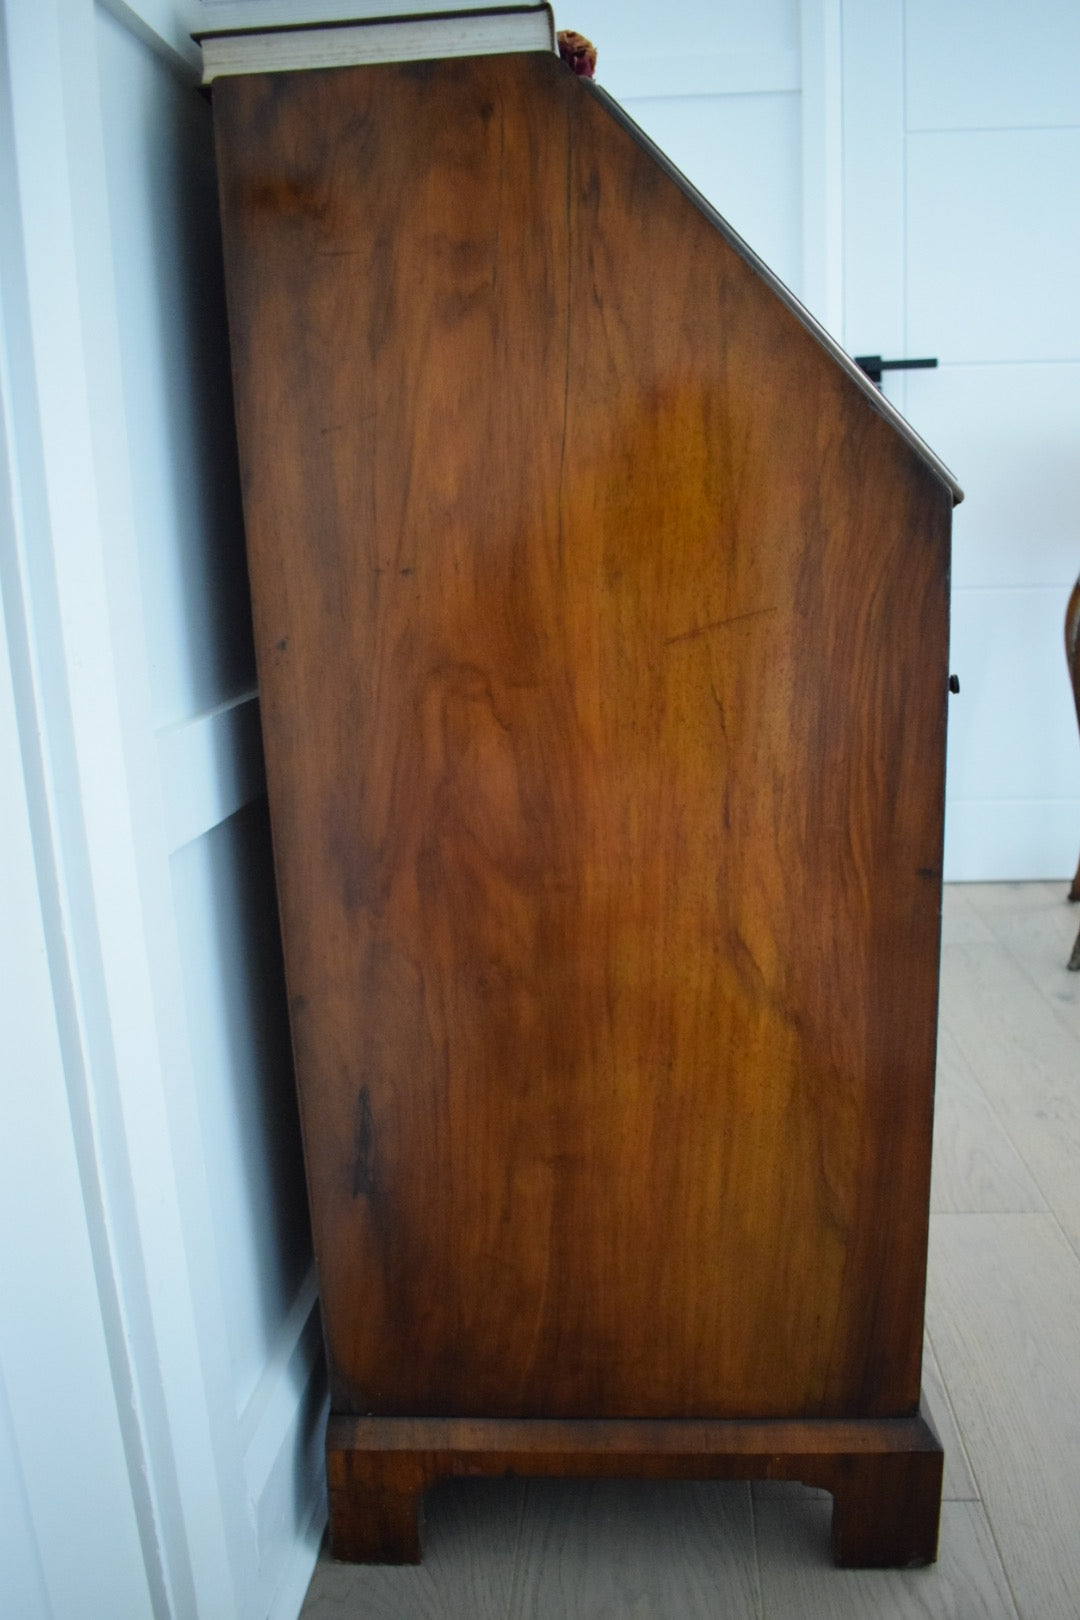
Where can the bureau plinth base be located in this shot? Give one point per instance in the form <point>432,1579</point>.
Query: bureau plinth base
<point>884,1474</point>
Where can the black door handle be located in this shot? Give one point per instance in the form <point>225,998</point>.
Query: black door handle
<point>874,365</point>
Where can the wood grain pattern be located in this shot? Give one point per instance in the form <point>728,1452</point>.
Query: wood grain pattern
<point>1007,1317</point>
<point>601,628</point>
<point>884,1474</point>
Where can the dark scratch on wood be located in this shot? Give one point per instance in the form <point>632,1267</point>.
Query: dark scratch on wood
<point>717,624</point>
<point>363,1176</point>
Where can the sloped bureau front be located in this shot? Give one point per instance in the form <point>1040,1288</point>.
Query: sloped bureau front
<point>602,639</point>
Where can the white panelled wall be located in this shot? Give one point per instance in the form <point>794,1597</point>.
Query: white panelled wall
<point>199,1368</point>
<point>909,169</point>
<point>962,240</point>
<point>718,89</point>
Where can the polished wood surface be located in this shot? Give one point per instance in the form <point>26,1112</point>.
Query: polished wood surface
<point>602,631</point>
<point>884,1475</point>
<point>1004,1317</point>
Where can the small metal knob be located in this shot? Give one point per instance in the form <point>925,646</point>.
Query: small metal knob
<point>954,684</point>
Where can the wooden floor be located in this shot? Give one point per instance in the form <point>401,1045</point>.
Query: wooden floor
<point>1002,1372</point>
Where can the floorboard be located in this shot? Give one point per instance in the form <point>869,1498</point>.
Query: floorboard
<point>958,1484</point>
<point>1004,1309</point>
<point>1037,926</point>
<point>470,1536</point>
<point>636,1549</point>
<point>976,1166</point>
<point>1026,1059</point>
<point>962,923</point>
<point>975,1163</point>
<point>798,1581</point>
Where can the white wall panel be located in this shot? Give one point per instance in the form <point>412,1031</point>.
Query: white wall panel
<point>744,154</point>
<point>993,245</point>
<point>229,946</point>
<point>22,1581</point>
<point>64,1474</point>
<point>174,349</point>
<point>1011,433</point>
<point>253,1247</point>
<point>211,766</point>
<point>86,699</point>
<point>285,1457</point>
<point>138,679</point>
<point>873,170</point>
<point>822,141</point>
<point>1011,840</point>
<point>717,88</point>
<point>1012,730</point>
<point>645,46</point>
<point>974,64</point>
<point>992,170</point>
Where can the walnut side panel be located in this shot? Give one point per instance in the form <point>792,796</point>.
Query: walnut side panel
<point>602,639</point>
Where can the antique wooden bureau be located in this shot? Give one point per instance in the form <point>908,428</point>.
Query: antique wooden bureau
<point>601,610</point>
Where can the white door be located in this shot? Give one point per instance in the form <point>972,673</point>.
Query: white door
<point>71,1541</point>
<point>961,130</point>
<point>160,1370</point>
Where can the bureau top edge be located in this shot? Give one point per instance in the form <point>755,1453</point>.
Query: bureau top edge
<point>353,42</point>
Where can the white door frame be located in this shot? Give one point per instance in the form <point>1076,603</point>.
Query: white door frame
<point>81,690</point>
<point>70,1523</point>
<point>822,162</point>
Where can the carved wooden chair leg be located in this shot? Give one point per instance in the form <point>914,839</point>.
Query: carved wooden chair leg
<point>1072,653</point>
